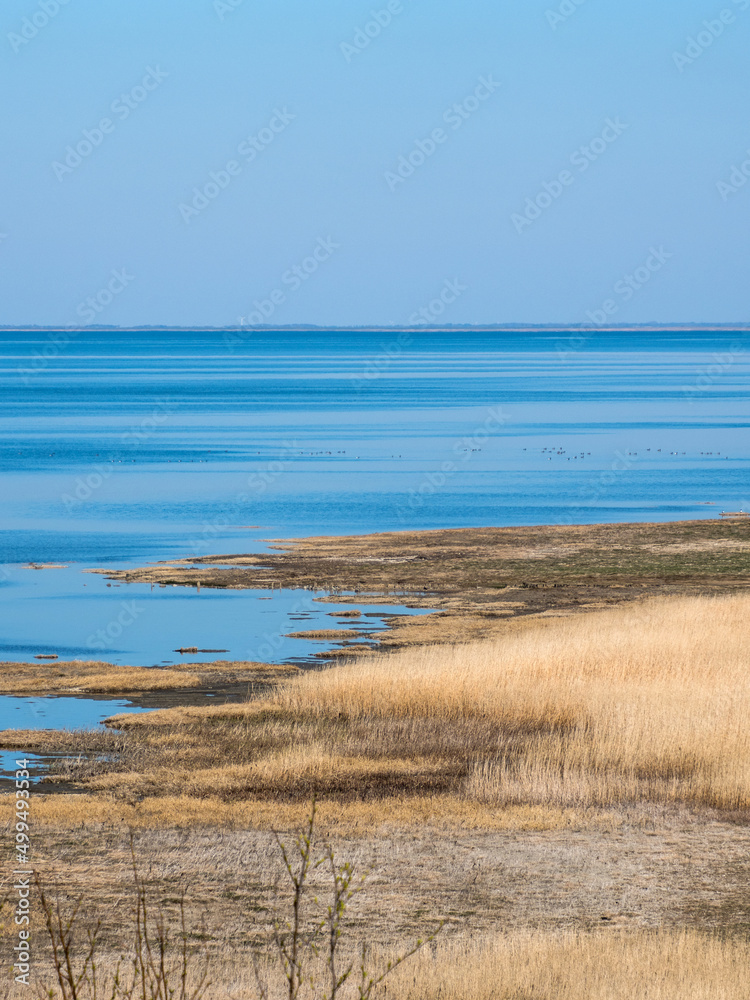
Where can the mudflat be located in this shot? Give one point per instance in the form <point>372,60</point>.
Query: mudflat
<point>481,579</point>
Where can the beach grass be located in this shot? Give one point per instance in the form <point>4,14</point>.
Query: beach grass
<point>662,966</point>
<point>571,798</point>
<point>682,965</point>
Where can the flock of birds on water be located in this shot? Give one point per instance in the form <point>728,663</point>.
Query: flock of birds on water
<point>551,453</point>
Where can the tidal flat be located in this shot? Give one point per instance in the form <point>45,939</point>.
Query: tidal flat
<point>479,580</point>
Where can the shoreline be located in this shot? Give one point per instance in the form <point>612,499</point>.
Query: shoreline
<point>479,582</point>
<point>593,750</point>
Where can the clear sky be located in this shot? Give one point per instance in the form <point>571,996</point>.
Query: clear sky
<point>316,107</point>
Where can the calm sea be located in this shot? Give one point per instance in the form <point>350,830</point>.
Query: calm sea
<point>123,448</point>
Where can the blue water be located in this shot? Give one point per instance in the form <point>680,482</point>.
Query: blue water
<point>80,616</point>
<point>37,766</point>
<point>121,449</point>
<point>52,713</point>
<point>59,713</point>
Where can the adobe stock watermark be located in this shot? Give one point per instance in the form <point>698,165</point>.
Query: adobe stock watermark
<point>224,7</point>
<point>85,486</point>
<point>122,107</point>
<point>259,482</point>
<point>105,638</point>
<point>563,12</point>
<point>364,36</point>
<point>455,116</point>
<point>624,290</point>
<point>738,178</point>
<point>293,279</point>
<point>31,26</point>
<point>710,30</point>
<point>433,482</point>
<point>95,305</point>
<point>450,293</point>
<point>89,309</point>
<point>381,362</point>
<point>711,374</point>
<point>249,149</point>
<point>629,284</point>
<point>425,316</point>
<point>582,158</point>
<point>23,874</point>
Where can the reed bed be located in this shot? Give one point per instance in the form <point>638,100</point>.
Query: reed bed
<point>660,966</point>
<point>640,705</point>
<point>647,702</point>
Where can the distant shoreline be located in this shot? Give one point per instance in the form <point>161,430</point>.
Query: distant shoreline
<point>309,328</point>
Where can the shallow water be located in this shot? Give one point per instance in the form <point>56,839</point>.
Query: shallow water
<point>52,713</point>
<point>38,766</point>
<point>60,713</point>
<point>127,448</point>
<point>82,617</point>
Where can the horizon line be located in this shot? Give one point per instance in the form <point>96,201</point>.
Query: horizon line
<point>385,328</point>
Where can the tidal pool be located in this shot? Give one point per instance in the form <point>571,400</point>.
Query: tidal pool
<point>52,713</point>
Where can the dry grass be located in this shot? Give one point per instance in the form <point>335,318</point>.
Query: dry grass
<point>355,819</point>
<point>97,677</point>
<point>664,966</point>
<point>523,966</point>
<point>568,724</point>
<point>640,703</point>
<point>589,898</point>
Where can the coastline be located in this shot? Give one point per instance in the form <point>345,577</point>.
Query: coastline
<point>476,584</point>
<point>199,785</point>
<point>481,582</point>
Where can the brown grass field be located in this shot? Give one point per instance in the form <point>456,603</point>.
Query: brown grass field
<point>659,966</point>
<point>570,797</point>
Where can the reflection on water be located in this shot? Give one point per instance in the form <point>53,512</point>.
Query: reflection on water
<point>59,713</point>
<point>84,618</point>
<point>52,713</point>
<point>37,766</point>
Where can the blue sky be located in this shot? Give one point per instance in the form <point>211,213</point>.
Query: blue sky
<point>304,128</point>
